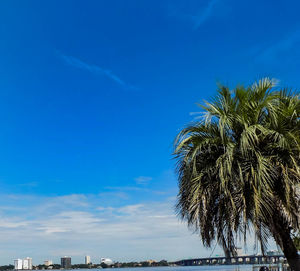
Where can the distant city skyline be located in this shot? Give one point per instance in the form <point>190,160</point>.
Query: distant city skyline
<point>92,95</point>
<point>66,261</point>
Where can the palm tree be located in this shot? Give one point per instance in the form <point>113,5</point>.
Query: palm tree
<point>239,168</point>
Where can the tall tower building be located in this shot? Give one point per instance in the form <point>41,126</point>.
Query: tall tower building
<point>27,263</point>
<point>66,262</point>
<point>18,264</point>
<point>87,259</point>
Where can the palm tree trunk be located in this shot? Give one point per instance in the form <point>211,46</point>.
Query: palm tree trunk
<point>282,235</point>
<point>291,254</point>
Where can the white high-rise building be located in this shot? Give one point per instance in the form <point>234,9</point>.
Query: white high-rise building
<point>87,259</point>
<point>18,264</point>
<point>27,263</point>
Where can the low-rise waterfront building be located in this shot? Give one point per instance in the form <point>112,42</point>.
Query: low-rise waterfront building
<point>150,262</point>
<point>106,261</point>
<point>48,263</point>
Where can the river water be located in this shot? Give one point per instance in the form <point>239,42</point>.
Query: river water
<point>184,268</point>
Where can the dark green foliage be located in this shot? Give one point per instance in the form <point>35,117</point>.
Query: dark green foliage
<point>7,267</point>
<point>145,264</point>
<point>104,265</point>
<point>85,266</point>
<point>163,263</point>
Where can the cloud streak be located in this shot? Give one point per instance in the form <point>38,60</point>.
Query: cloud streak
<point>143,179</point>
<point>201,17</point>
<point>204,15</point>
<point>280,47</point>
<point>76,62</point>
<point>77,225</point>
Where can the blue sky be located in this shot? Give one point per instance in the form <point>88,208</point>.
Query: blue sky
<point>92,94</point>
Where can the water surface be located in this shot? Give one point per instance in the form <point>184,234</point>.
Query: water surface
<point>183,268</point>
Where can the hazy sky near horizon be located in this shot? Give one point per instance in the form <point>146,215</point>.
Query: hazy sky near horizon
<point>92,94</point>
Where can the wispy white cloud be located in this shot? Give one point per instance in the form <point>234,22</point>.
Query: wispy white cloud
<point>143,179</point>
<point>131,209</point>
<point>76,225</point>
<point>125,188</point>
<point>29,184</point>
<point>141,187</point>
<point>117,195</point>
<point>204,14</point>
<point>198,16</point>
<point>76,62</point>
<point>279,48</point>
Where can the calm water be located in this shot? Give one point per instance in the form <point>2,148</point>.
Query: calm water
<point>184,268</point>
